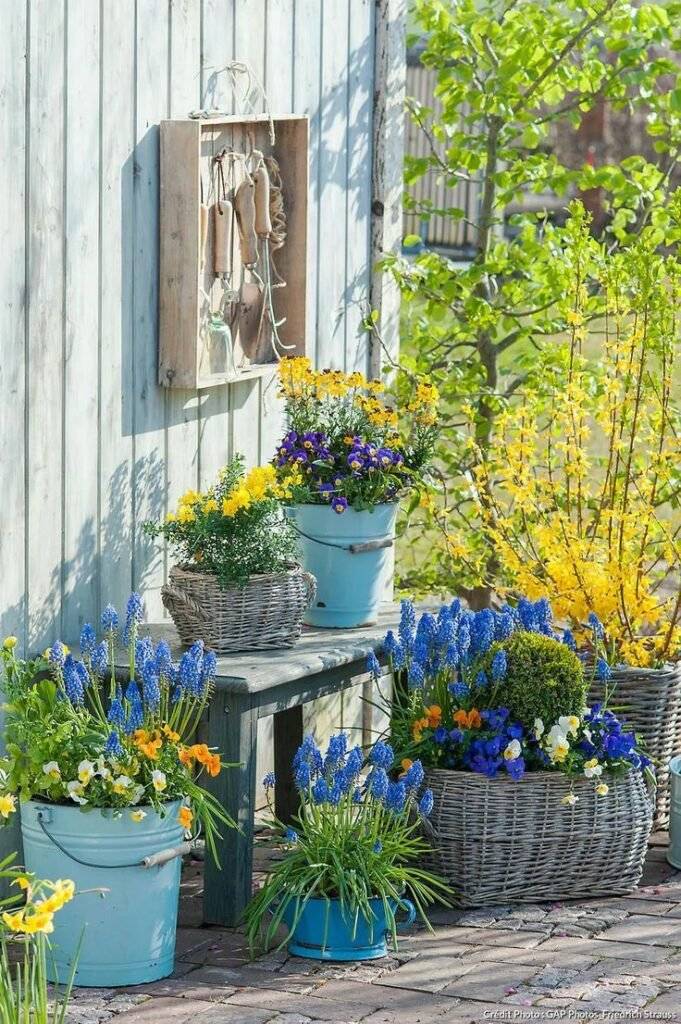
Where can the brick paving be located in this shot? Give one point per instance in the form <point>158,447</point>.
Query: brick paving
<point>612,960</point>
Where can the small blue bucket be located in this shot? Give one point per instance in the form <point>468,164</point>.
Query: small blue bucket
<point>324,932</point>
<point>674,851</point>
<point>349,554</point>
<point>128,931</point>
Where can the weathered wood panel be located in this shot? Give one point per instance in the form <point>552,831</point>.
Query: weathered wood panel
<point>93,445</point>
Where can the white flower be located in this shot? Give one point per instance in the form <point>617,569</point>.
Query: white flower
<point>75,791</point>
<point>538,728</point>
<point>570,799</point>
<point>86,770</point>
<point>558,744</point>
<point>587,735</point>
<point>569,724</point>
<point>592,769</point>
<point>52,769</point>
<point>512,751</point>
<point>137,794</point>
<point>158,780</point>
<point>121,784</point>
<point>139,815</point>
<point>103,771</point>
<point>602,789</point>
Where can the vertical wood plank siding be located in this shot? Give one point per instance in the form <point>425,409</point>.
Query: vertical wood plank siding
<point>91,445</point>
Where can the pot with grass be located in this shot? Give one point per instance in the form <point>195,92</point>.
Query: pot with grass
<point>351,877</point>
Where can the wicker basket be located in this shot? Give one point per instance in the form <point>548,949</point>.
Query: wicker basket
<point>267,612</point>
<point>505,841</point>
<point>649,701</point>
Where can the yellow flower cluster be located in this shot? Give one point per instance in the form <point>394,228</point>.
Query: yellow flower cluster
<point>424,402</point>
<point>575,488</point>
<point>299,380</point>
<point>36,916</point>
<point>259,483</point>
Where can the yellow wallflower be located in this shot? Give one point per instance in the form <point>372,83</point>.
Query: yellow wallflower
<point>9,643</point>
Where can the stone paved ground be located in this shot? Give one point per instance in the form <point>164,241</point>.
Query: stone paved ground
<point>613,960</point>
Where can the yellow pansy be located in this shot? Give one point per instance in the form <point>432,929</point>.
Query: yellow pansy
<point>9,643</point>
<point>8,804</point>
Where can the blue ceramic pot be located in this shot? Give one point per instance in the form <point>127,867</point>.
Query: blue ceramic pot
<point>123,918</point>
<point>324,932</point>
<point>350,555</point>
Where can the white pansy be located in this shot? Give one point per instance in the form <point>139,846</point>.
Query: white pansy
<point>86,770</point>
<point>570,799</point>
<point>137,794</point>
<point>538,728</point>
<point>602,789</point>
<point>592,769</point>
<point>138,815</point>
<point>75,791</point>
<point>52,769</point>
<point>512,751</point>
<point>569,724</point>
<point>158,780</point>
<point>121,784</point>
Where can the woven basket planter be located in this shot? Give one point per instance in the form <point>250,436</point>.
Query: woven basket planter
<point>501,841</point>
<point>266,613</point>
<point>648,700</point>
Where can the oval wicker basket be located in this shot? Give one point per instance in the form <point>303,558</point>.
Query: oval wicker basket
<point>266,613</point>
<point>505,841</point>
<point>649,701</point>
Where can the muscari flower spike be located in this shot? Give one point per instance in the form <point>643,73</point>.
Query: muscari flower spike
<point>373,666</point>
<point>426,803</point>
<point>163,657</point>
<point>99,660</point>
<point>109,619</point>
<point>113,746</point>
<point>88,640</point>
<point>382,755</point>
<point>73,683</point>
<point>135,718</point>
<point>133,616</point>
<point>269,781</point>
<point>116,713</point>
<point>499,666</point>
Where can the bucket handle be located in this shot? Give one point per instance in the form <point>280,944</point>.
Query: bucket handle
<point>410,909</point>
<point>354,549</point>
<point>152,860</point>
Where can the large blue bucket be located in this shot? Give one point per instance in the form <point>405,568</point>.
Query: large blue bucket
<point>674,851</point>
<point>350,556</point>
<point>127,930</point>
<point>324,932</point>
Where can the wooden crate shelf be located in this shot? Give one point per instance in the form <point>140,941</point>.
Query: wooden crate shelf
<point>190,356</point>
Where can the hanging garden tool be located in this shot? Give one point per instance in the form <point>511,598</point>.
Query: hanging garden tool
<point>223,230</point>
<point>252,291</point>
<point>203,227</point>
<point>263,229</point>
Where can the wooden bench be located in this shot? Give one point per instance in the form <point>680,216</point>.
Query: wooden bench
<point>254,685</point>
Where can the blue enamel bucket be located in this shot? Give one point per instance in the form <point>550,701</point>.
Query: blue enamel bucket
<point>325,932</point>
<point>121,923</point>
<point>350,556</point>
<point>674,851</point>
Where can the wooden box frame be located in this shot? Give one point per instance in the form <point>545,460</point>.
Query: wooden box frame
<point>187,148</point>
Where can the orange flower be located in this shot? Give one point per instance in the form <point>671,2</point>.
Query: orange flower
<point>185,817</point>
<point>151,748</point>
<point>468,719</point>
<point>406,764</point>
<point>201,752</point>
<point>434,715</point>
<point>140,736</point>
<point>417,728</point>
<point>185,755</point>
<point>213,765</point>
<point>170,734</point>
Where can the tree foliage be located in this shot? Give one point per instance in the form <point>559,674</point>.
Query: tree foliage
<point>508,71</point>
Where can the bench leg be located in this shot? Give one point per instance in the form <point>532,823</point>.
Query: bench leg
<point>233,729</point>
<point>288,735</point>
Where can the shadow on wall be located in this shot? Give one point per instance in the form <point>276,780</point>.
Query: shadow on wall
<point>49,618</point>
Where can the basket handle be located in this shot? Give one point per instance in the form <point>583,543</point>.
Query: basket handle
<point>173,596</point>
<point>311,587</point>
